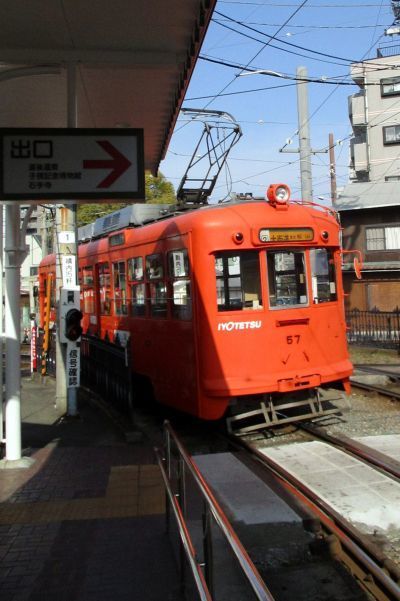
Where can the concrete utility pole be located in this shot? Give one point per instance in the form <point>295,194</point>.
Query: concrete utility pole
<point>304,149</point>
<point>66,225</point>
<point>332,169</point>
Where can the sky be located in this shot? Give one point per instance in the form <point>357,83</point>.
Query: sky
<point>347,31</point>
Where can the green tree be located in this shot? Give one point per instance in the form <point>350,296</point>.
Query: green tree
<point>157,190</point>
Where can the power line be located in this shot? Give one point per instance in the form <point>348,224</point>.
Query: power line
<point>298,8</point>
<point>284,76</point>
<point>354,5</point>
<point>297,46</point>
<point>286,85</point>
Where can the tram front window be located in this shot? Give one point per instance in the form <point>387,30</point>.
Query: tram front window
<point>323,275</point>
<point>238,281</point>
<point>286,278</point>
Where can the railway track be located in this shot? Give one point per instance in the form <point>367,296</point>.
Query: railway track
<point>380,370</point>
<point>357,449</point>
<point>378,575</point>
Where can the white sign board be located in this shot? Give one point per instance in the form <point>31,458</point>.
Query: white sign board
<point>73,366</point>
<point>68,270</point>
<point>71,164</point>
<point>66,237</point>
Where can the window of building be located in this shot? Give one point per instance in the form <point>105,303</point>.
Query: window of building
<point>121,307</point>
<point>323,275</point>
<point>178,270</point>
<point>391,134</point>
<point>238,281</point>
<point>390,86</point>
<point>286,278</point>
<point>105,288</point>
<point>154,267</point>
<point>383,238</point>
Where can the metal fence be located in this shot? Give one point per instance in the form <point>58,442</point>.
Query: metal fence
<point>374,328</point>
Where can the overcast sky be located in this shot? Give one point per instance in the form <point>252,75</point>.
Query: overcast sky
<point>348,31</point>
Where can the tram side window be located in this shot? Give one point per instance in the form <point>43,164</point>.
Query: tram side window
<point>88,291</point>
<point>238,281</point>
<point>105,288</point>
<point>154,267</point>
<point>178,270</point>
<point>121,307</point>
<point>138,290</point>
<point>323,275</point>
<point>286,279</point>
<point>157,288</point>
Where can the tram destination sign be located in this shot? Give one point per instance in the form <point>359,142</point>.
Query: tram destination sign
<point>98,164</point>
<point>304,234</point>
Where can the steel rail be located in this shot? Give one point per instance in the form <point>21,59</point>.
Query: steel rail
<point>250,571</point>
<point>357,449</point>
<point>380,575</point>
<point>377,370</point>
<point>384,391</point>
<point>188,546</point>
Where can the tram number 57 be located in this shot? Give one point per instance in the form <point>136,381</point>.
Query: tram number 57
<point>293,339</point>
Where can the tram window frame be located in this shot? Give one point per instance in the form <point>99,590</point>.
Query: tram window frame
<point>87,277</point>
<point>238,287</point>
<point>154,266</point>
<point>104,283</point>
<point>324,285</point>
<point>137,286</point>
<point>135,269</point>
<point>180,283</point>
<point>278,301</point>
<point>156,285</point>
<point>120,286</point>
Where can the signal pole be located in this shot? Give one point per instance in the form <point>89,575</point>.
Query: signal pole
<point>304,149</point>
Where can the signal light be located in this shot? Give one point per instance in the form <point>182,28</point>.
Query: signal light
<point>73,328</point>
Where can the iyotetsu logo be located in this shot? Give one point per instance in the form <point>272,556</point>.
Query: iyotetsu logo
<point>239,325</point>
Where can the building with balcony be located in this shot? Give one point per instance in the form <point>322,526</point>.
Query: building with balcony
<point>369,205</point>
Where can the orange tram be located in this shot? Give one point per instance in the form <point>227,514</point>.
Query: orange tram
<point>241,300</point>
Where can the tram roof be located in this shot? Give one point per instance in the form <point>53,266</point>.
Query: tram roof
<point>135,60</point>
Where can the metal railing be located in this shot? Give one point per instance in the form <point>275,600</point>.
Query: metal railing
<point>106,369</point>
<point>203,571</point>
<point>374,328</point>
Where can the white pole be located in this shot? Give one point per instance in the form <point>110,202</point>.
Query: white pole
<point>1,322</point>
<point>13,335</point>
<point>72,111</point>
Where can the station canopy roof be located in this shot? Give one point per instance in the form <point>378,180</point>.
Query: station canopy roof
<point>134,60</point>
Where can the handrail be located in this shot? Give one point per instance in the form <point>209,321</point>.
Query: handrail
<point>185,536</point>
<point>250,571</point>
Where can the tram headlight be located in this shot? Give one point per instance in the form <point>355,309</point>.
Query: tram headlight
<point>278,194</point>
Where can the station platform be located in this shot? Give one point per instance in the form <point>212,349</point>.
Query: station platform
<point>86,520</point>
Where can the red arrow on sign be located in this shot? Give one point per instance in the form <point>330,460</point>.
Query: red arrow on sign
<point>119,164</point>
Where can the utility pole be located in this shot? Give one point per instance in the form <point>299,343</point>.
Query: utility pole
<point>66,250</point>
<point>332,169</point>
<point>304,149</point>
